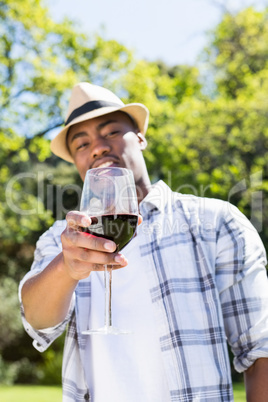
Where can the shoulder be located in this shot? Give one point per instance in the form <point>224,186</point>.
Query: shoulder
<point>212,214</point>
<point>201,207</point>
<point>202,212</point>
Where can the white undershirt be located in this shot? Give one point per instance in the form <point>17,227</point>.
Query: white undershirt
<point>125,368</point>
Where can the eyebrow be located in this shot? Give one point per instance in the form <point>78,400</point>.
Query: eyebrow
<point>105,123</point>
<point>77,135</point>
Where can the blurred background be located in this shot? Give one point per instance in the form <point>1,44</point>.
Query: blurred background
<point>201,67</point>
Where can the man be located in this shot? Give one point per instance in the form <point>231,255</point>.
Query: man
<point>193,275</point>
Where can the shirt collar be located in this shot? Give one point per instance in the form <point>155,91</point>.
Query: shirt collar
<point>157,199</point>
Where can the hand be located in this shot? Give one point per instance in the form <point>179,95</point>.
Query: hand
<point>83,252</point>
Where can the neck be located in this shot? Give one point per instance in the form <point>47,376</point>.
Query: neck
<point>143,188</point>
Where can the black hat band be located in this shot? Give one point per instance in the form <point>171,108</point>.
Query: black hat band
<point>89,107</point>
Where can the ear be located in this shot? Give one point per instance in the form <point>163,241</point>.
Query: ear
<point>142,141</point>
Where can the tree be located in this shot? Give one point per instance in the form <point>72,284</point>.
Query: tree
<point>238,56</point>
<point>202,139</point>
<point>213,142</point>
<point>163,90</point>
<point>40,61</point>
<point>238,50</point>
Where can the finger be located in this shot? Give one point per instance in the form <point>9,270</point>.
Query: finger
<point>99,267</point>
<point>88,241</point>
<point>96,257</point>
<point>140,219</point>
<point>81,270</point>
<point>77,219</point>
<point>81,263</point>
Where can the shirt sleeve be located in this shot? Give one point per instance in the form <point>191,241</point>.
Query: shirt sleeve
<point>47,248</point>
<point>242,282</point>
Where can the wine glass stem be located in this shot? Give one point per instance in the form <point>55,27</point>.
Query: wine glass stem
<point>108,296</point>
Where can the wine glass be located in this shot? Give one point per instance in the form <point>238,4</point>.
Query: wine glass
<point>109,198</point>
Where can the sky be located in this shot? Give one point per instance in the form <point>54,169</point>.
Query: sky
<point>174,31</point>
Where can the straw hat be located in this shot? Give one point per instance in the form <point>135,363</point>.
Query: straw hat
<point>89,101</point>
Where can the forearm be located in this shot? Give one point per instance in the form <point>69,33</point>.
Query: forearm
<point>256,381</point>
<point>46,297</point>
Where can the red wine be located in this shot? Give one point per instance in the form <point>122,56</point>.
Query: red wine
<point>118,228</point>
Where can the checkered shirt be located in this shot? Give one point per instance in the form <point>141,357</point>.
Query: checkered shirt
<point>206,266</point>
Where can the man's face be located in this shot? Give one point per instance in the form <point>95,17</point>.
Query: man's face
<point>109,140</point>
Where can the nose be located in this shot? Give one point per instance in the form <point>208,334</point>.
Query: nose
<point>100,147</point>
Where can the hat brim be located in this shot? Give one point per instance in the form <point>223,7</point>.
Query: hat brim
<point>137,111</point>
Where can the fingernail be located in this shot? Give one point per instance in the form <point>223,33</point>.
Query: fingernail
<point>86,222</point>
<point>109,246</point>
<point>120,259</point>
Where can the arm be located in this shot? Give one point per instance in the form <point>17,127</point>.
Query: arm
<point>256,381</point>
<point>242,282</point>
<point>46,296</point>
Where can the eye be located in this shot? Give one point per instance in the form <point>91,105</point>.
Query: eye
<point>82,146</point>
<point>111,133</point>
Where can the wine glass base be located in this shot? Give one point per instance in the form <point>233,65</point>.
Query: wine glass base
<point>106,331</point>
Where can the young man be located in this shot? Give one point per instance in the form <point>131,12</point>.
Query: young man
<point>194,275</point>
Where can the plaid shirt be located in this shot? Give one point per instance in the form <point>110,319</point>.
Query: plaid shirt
<point>206,266</point>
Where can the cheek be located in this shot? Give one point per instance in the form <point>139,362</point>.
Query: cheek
<point>130,145</point>
<point>129,152</point>
<point>132,155</point>
<point>81,167</point>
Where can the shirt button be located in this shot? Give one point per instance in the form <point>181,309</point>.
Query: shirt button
<point>86,396</point>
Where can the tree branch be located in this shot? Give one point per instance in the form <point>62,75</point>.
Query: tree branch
<point>44,132</point>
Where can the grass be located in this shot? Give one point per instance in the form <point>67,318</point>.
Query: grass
<point>239,392</point>
<point>31,393</point>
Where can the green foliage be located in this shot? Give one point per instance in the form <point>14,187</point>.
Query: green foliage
<point>40,61</point>
<point>9,312</point>
<point>8,372</point>
<point>51,367</point>
<point>239,50</point>
<point>207,136</point>
<point>163,90</point>
<point>212,140</point>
